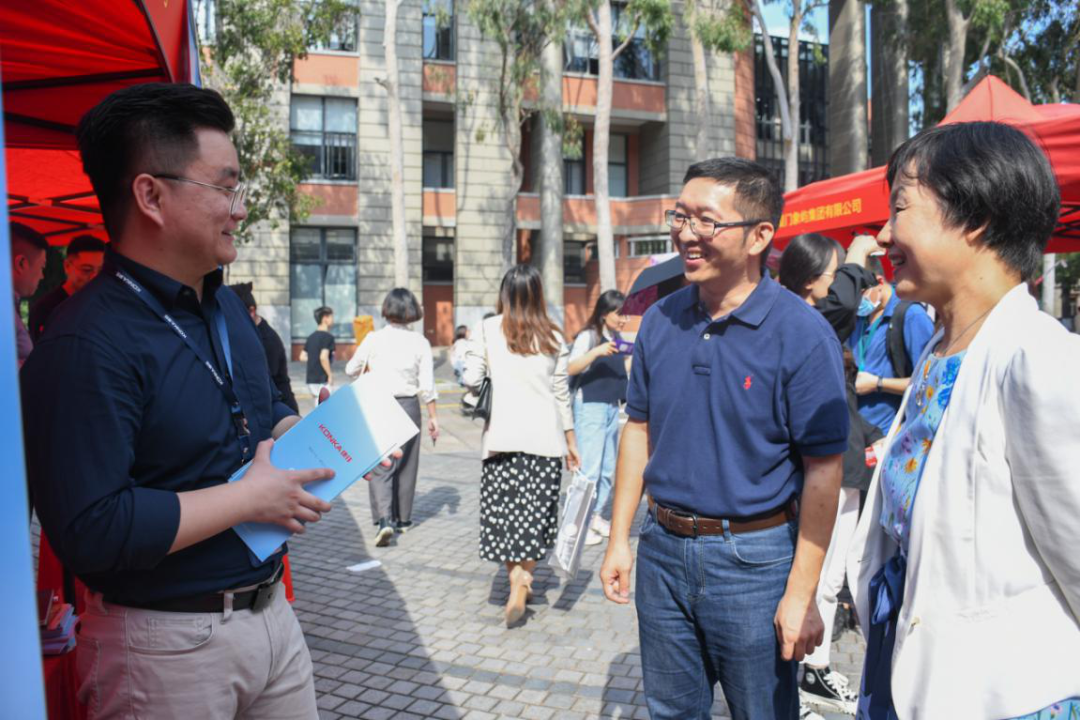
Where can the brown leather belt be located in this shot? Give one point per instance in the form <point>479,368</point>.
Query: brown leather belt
<point>256,599</point>
<point>691,525</point>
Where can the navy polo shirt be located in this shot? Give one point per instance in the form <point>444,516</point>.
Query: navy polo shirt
<point>870,348</point>
<point>733,404</point>
<point>119,416</point>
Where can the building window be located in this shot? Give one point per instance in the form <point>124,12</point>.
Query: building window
<point>574,171</point>
<point>646,246</point>
<point>438,259</point>
<point>322,272</point>
<point>813,113</point>
<point>343,36</point>
<point>438,29</point>
<point>438,154</point>
<point>324,132</point>
<point>618,181</point>
<point>576,256</point>
<point>582,53</point>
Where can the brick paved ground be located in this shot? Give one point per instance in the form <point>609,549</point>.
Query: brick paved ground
<point>422,635</point>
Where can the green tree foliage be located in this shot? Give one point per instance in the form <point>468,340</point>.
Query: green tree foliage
<point>720,26</point>
<point>252,52</point>
<point>1046,47</point>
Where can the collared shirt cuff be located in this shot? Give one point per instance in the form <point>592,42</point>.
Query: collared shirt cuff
<point>281,411</point>
<point>155,520</point>
<point>836,447</point>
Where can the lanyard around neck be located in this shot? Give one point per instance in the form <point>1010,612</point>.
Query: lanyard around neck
<point>236,410</point>
<point>865,339</point>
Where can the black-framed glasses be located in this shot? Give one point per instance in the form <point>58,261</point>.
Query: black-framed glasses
<point>704,229</point>
<point>237,192</point>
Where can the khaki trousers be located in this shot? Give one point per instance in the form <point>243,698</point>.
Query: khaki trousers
<point>145,664</point>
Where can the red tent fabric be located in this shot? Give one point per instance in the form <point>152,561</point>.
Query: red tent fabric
<point>843,206</point>
<point>58,59</point>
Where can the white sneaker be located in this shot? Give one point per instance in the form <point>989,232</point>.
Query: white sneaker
<point>805,713</point>
<point>826,689</point>
<point>593,538</point>
<point>601,526</point>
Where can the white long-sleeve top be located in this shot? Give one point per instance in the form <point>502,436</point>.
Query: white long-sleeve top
<point>402,359</point>
<point>530,398</point>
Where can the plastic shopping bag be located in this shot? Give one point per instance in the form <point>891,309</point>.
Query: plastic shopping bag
<point>573,526</point>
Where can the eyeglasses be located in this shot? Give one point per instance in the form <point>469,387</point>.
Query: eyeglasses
<point>704,229</point>
<point>237,192</point>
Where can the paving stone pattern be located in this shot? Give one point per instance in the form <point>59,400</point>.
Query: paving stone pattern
<point>422,635</point>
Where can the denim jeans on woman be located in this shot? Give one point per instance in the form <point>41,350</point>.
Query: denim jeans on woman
<point>705,611</point>
<point>596,427</point>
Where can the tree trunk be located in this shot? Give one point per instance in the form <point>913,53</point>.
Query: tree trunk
<point>549,256</point>
<point>511,122</point>
<point>702,147</point>
<point>954,54</point>
<point>781,91</point>
<point>791,151</point>
<point>605,240</point>
<point>891,97</point>
<point>847,87</point>
<point>397,148</point>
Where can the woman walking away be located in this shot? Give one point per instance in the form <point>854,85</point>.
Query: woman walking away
<point>529,432</point>
<point>807,268</point>
<point>600,372</point>
<point>967,575</point>
<point>402,359</point>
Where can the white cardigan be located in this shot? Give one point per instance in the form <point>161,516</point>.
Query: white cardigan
<point>990,622</point>
<point>530,399</point>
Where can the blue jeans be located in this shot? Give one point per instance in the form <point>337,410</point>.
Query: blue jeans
<point>705,615</point>
<point>596,426</point>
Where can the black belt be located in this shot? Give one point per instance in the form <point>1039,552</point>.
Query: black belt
<point>257,599</point>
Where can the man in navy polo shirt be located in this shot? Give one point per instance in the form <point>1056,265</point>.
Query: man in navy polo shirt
<point>738,419</point>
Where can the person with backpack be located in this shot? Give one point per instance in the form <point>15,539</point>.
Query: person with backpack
<point>598,373</point>
<point>889,334</point>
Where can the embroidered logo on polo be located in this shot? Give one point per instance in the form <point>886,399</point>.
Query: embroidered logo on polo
<point>747,382</point>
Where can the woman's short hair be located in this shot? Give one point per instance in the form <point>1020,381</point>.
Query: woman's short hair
<point>986,175</point>
<point>525,323</point>
<point>401,307</point>
<point>805,258</point>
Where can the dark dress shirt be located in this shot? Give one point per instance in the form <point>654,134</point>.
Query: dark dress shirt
<point>278,361</point>
<point>42,310</point>
<point>734,404</point>
<point>120,416</point>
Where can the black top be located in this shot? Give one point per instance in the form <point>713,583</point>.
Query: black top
<point>845,292</point>
<point>317,342</point>
<point>42,310</point>
<point>604,381</point>
<point>278,361</point>
<point>120,416</point>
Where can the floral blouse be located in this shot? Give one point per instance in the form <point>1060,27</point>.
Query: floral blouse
<point>907,453</point>
<point>902,471</point>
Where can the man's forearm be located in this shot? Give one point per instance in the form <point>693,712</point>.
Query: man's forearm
<point>205,513</point>
<point>817,514</point>
<point>329,373</point>
<point>629,478</point>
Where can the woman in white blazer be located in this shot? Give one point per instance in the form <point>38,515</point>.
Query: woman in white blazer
<point>966,563</point>
<point>529,432</point>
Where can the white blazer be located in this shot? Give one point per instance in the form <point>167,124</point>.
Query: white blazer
<point>990,622</point>
<point>530,397</point>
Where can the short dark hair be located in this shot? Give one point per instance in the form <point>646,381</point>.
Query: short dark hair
<point>875,267</point>
<point>322,312</point>
<point>757,194</point>
<point>401,306</point>
<point>805,258</point>
<point>460,332</point>
<point>84,243</point>
<point>149,127</point>
<point>986,175</point>
<point>24,235</point>
<point>244,291</point>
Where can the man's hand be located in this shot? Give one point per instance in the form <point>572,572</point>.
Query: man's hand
<point>385,463</point>
<point>799,628</point>
<point>861,247</point>
<point>865,383</point>
<point>283,426</point>
<point>433,428</point>
<point>278,496</point>
<point>615,572</point>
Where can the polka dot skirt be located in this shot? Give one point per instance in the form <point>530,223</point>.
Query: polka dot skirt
<point>519,506</point>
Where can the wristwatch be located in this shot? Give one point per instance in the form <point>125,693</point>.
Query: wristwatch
<point>879,381</point>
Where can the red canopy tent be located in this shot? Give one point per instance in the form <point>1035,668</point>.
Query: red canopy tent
<point>843,206</point>
<point>58,59</point>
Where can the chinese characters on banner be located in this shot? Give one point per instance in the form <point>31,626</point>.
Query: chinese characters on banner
<point>828,211</point>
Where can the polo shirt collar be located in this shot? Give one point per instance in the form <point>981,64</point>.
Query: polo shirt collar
<point>890,307</point>
<point>167,290</point>
<point>753,310</point>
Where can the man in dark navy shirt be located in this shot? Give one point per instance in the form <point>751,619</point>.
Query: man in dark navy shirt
<point>148,392</point>
<point>738,419</point>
